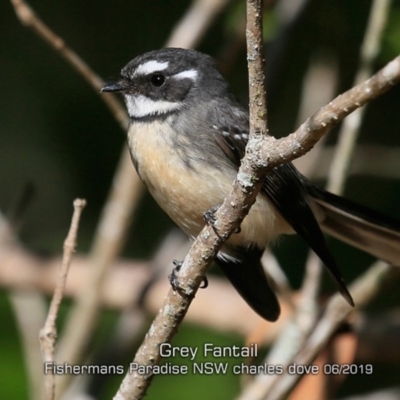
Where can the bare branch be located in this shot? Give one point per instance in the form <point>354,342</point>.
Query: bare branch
<point>277,275</point>
<point>108,241</point>
<point>365,288</point>
<point>256,66</point>
<point>276,151</point>
<point>48,334</point>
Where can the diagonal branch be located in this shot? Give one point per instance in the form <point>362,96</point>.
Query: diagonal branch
<point>364,289</point>
<point>277,151</point>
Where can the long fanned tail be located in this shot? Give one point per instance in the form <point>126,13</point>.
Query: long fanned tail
<point>359,226</point>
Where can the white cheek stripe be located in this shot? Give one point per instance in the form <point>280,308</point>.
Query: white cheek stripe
<point>190,74</point>
<point>141,106</point>
<point>150,67</point>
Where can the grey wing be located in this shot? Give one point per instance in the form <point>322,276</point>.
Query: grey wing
<point>284,188</point>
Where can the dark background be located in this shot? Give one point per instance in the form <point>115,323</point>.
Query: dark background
<point>56,133</point>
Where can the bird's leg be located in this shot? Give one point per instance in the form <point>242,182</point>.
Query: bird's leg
<point>209,218</point>
<point>173,279</point>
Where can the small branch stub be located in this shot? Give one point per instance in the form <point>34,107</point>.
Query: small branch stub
<point>48,334</point>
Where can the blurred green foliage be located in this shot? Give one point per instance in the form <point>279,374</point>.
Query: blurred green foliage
<point>56,133</point>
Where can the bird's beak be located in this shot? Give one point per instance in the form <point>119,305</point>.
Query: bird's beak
<point>119,86</point>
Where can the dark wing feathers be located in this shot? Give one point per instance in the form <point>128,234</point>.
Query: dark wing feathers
<point>284,187</point>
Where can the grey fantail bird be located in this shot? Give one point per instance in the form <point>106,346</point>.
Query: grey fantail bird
<point>187,136</point>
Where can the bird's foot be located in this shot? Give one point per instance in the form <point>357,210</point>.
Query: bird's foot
<point>209,218</point>
<point>173,279</point>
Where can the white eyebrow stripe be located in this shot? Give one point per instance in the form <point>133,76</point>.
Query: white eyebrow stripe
<point>141,106</point>
<point>190,74</point>
<point>149,67</point>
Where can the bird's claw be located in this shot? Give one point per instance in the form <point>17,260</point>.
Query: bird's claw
<point>209,218</point>
<point>173,279</point>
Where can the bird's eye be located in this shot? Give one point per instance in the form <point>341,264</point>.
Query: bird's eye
<point>157,80</point>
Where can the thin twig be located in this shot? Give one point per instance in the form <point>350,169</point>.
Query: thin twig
<point>256,67</point>
<point>48,333</point>
<point>107,243</point>
<point>364,289</point>
<point>276,151</point>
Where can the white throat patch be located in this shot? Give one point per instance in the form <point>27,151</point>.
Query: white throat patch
<point>140,106</point>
